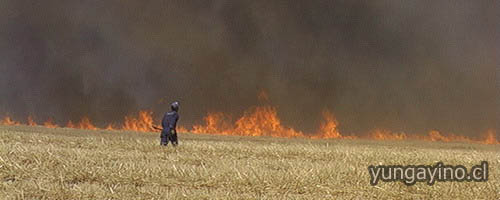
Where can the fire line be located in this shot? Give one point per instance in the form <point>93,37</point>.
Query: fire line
<point>258,121</point>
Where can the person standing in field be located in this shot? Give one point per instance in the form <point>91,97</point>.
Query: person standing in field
<point>169,124</point>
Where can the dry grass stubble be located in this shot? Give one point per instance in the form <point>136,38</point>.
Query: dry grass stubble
<point>41,163</point>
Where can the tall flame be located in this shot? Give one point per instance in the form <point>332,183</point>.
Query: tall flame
<point>143,123</point>
<point>328,128</point>
<point>263,121</point>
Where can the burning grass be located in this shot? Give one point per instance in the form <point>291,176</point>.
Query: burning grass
<point>261,121</point>
<point>64,163</point>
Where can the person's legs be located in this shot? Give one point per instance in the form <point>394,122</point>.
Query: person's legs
<point>164,138</point>
<point>174,139</point>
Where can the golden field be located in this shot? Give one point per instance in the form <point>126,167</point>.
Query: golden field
<point>63,163</point>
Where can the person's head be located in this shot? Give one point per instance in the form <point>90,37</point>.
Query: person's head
<point>175,106</point>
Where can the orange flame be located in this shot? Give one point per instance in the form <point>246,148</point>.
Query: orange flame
<point>144,122</point>
<point>490,137</point>
<point>9,122</point>
<point>386,135</point>
<point>262,121</point>
<point>215,122</point>
<point>85,123</point>
<point>31,122</point>
<point>328,128</point>
<point>70,124</point>
<point>50,124</point>
<point>437,136</point>
<point>182,129</point>
<point>433,136</point>
<point>257,121</point>
<point>109,127</point>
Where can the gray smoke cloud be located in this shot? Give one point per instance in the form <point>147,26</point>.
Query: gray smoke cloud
<point>401,65</point>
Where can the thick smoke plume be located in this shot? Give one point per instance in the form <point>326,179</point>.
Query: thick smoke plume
<point>409,66</point>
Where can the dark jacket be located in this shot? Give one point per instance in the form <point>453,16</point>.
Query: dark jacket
<point>169,121</point>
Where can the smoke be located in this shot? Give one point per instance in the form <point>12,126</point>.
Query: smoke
<point>401,65</point>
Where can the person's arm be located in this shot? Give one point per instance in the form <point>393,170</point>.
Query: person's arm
<point>163,122</point>
<point>175,123</point>
<point>156,127</point>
